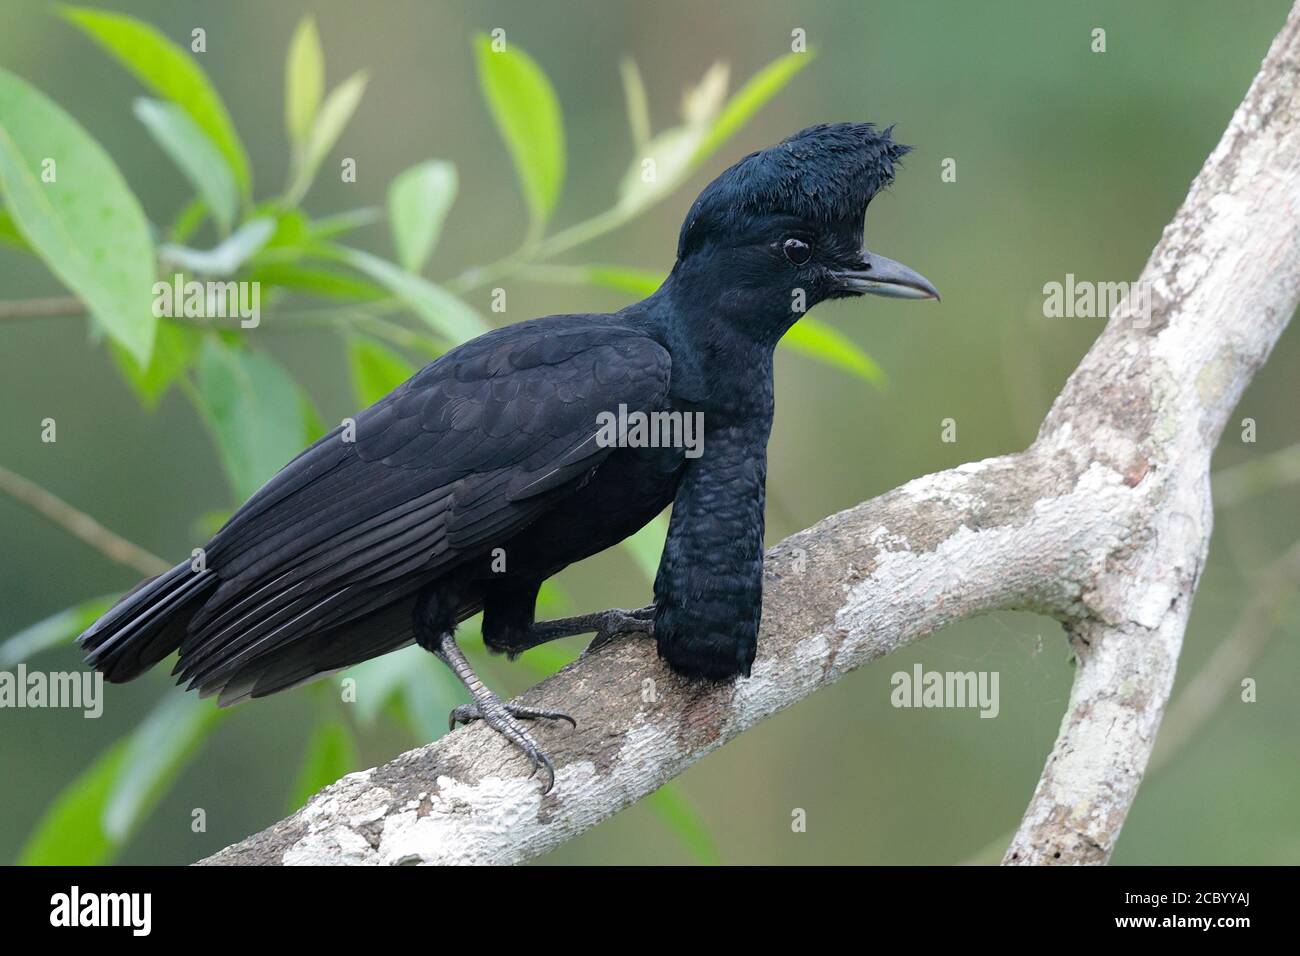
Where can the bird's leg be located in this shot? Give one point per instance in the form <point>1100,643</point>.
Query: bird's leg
<point>606,625</point>
<point>501,716</point>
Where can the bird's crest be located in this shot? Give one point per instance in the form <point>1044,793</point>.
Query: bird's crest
<point>826,173</point>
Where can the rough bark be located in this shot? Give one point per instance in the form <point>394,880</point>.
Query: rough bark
<point>1103,523</point>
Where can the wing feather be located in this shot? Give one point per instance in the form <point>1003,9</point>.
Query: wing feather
<point>453,462</point>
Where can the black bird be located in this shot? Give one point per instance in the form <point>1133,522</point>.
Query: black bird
<point>486,473</point>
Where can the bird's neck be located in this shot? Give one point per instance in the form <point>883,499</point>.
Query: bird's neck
<point>718,363</point>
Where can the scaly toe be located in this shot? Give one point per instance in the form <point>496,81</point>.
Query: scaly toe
<point>533,713</point>
<point>464,714</point>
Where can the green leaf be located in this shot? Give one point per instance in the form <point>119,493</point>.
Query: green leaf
<point>641,282</point>
<point>424,690</point>
<point>378,680</point>
<point>665,160</point>
<point>331,754</point>
<point>86,225</point>
<point>325,132</point>
<point>57,629</point>
<point>427,695</point>
<point>444,313</point>
<point>98,812</point>
<point>291,241</point>
<point>169,71</point>
<point>312,426</point>
<point>196,156</point>
<point>225,258</point>
<point>9,233</point>
<point>676,813</point>
<point>545,659</point>
<point>376,370</point>
<point>527,114</point>
<point>638,106</point>
<point>254,411</point>
<point>304,81</point>
<point>552,599</point>
<point>327,227</point>
<point>647,545</point>
<point>174,351</point>
<point>188,220</point>
<point>418,200</point>
<point>292,238</point>
<point>638,282</point>
<point>669,155</point>
<point>71,833</point>
<point>825,343</point>
<point>155,754</point>
<point>209,523</point>
<point>320,282</point>
<point>749,99</point>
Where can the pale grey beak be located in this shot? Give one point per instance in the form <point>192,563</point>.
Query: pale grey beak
<point>881,276</point>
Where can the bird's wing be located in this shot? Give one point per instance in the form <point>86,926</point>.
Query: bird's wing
<point>449,465</point>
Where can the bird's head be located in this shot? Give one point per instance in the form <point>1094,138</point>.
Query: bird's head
<point>781,230</point>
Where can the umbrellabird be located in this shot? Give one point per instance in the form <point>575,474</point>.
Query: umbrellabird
<point>490,470</point>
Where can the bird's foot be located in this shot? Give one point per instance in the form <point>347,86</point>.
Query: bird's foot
<point>616,622</point>
<point>468,713</point>
<point>504,719</point>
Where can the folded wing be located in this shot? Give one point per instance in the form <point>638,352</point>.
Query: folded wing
<point>319,568</point>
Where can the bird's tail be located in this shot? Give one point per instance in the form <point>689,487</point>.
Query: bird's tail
<point>147,624</point>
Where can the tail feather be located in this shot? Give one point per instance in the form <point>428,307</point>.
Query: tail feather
<point>147,624</point>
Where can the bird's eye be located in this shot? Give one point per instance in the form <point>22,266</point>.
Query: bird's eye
<point>797,251</point>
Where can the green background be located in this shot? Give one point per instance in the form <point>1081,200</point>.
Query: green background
<point>1067,162</point>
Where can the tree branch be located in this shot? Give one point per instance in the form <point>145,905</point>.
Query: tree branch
<point>1150,404</point>
<point>41,308</point>
<point>1202,696</point>
<point>112,546</point>
<point>1102,523</point>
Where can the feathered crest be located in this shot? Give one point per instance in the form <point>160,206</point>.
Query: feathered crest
<point>826,173</point>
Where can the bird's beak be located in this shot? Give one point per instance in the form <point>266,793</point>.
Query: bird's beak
<point>880,276</point>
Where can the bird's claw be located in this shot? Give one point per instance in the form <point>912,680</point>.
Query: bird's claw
<point>542,762</point>
<point>504,719</point>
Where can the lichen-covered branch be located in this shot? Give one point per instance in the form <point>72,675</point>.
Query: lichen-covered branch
<point>1103,523</point>
<point>1150,404</point>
